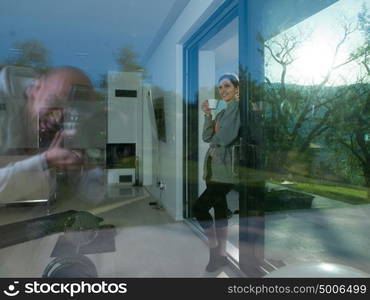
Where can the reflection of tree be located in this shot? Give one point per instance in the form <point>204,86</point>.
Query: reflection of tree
<point>102,81</point>
<point>349,125</point>
<point>127,58</point>
<point>282,51</point>
<point>30,53</point>
<point>299,118</point>
<point>348,133</point>
<point>362,53</point>
<point>127,61</point>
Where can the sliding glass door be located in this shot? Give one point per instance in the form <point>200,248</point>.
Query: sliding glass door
<point>304,179</point>
<point>316,124</point>
<point>209,56</point>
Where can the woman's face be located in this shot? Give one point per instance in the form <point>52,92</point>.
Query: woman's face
<point>227,90</point>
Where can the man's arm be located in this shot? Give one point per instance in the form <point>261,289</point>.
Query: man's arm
<point>25,180</point>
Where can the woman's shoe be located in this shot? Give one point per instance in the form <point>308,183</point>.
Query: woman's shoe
<point>212,260</point>
<point>216,261</point>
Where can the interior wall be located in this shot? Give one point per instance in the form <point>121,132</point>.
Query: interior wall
<point>165,69</point>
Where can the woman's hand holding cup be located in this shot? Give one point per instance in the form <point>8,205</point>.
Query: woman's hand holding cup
<point>205,108</point>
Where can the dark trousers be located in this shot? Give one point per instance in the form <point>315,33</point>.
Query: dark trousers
<point>213,196</point>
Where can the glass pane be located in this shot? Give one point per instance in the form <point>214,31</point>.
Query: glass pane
<point>218,197</point>
<point>316,126</point>
<point>90,155</point>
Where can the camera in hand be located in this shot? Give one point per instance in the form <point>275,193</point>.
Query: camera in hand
<point>83,121</point>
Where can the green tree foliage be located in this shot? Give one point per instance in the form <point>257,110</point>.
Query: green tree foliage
<point>30,53</point>
<point>363,52</point>
<point>302,123</point>
<point>127,60</point>
<point>348,134</point>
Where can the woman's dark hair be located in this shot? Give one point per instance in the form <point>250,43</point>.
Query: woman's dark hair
<point>234,79</point>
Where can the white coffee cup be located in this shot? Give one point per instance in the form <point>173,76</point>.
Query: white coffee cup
<point>212,103</point>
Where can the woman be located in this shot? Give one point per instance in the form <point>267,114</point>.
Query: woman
<point>222,134</point>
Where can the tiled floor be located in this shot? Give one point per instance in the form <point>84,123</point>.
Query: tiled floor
<point>337,235</point>
<point>148,242</point>
<point>330,232</point>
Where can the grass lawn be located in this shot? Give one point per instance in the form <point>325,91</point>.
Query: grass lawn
<point>341,193</point>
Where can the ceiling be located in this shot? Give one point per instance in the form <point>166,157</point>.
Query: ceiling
<point>86,33</point>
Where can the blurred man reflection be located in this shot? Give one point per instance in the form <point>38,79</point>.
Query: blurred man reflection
<point>37,125</point>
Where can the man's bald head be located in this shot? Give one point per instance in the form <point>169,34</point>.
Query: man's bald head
<point>66,76</point>
<point>58,83</point>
